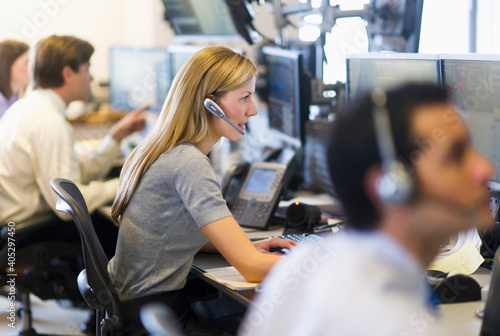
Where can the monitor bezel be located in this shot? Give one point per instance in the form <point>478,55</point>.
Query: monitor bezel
<point>470,57</point>
<point>391,56</point>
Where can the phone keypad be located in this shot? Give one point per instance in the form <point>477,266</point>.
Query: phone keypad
<point>238,208</point>
<point>259,215</point>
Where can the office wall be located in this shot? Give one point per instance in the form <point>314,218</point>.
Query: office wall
<point>445,25</point>
<point>103,23</point>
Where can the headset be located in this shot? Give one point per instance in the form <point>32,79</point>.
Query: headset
<point>213,108</point>
<point>396,184</point>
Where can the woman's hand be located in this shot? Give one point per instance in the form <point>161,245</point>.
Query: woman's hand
<point>270,245</point>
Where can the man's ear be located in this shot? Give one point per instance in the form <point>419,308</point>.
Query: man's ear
<point>67,73</point>
<point>371,178</point>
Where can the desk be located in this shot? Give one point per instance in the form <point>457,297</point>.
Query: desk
<point>204,261</point>
<point>95,125</point>
<point>461,315</point>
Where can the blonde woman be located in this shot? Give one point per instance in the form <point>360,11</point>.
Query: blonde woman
<point>169,203</point>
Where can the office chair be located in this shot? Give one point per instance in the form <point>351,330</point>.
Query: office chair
<point>93,281</point>
<point>43,264</point>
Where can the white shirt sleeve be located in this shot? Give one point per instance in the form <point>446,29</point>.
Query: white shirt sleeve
<point>98,163</point>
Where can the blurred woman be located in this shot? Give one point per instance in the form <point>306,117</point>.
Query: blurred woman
<point>14,77</point>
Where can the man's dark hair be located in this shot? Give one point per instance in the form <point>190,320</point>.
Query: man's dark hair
<point>353,147</point>
<point>53,53</point>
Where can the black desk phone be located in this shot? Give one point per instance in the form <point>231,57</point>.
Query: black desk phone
<point>254,191</point>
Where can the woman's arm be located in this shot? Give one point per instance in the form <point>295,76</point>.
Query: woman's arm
<point>231,241</point>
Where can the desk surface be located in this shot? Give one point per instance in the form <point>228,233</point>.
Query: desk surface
<point>203,261</point>
<point>461,315</point>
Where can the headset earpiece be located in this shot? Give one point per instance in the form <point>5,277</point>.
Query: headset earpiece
<point>214,109</point>
<point>396,184</point>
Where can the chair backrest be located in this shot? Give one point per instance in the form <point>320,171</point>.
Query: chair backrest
<point>71,201</point>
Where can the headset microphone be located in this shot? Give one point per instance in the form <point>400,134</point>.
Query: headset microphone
<point>395,185</point>
<point>213,108</point>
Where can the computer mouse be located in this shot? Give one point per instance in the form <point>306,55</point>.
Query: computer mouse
<point>458,288</point>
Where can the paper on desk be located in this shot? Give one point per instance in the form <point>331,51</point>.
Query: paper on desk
<point>466,260</point>
<point>229,277</point>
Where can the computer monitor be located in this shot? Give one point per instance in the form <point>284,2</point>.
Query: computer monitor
<point>473,83</point>
<point>287,94</point>
<point>138,76</point>
<point>178,55</point>
<point>316,174</point>
<point>368,71</point>
<point>200,20</point>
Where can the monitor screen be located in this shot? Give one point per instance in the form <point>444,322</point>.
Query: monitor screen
<point>207,20</point>
<point>138,76</point>
<point>286,93</point>
<point>366,72</point>
<point>473,83</point>
<point>316,174</point>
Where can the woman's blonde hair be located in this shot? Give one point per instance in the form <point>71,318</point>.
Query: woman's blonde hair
<point>184,118</point>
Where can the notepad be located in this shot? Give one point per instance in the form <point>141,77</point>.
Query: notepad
<point>230,277</point>
<point>466,260</point>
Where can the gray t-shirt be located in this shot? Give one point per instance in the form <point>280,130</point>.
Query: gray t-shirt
<point>160,230</point>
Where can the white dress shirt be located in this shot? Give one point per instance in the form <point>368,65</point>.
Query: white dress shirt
<point>37,145</point>
<point>355,284</point>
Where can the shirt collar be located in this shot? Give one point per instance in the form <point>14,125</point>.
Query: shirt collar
<point>55,99</point>
<point>391,250</point>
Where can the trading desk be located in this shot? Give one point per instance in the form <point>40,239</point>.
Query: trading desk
<point>213,260</point>
<point>461,315</point>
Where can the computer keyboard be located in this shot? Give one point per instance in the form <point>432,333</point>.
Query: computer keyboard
<point>303,238</point>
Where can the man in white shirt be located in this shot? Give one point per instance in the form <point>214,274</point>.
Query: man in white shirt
<point>369,279</point>
<point>37,142</point>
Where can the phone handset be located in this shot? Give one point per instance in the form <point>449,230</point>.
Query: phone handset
<point>233,181</point>
<point>213,108</point>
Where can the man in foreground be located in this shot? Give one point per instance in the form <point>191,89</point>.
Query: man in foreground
<point>400,206</point>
